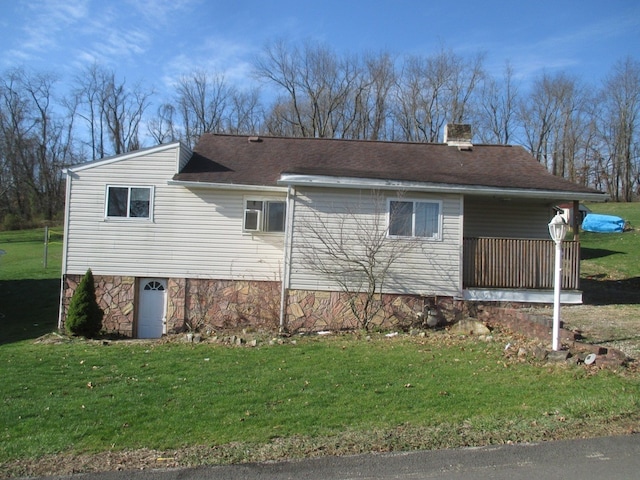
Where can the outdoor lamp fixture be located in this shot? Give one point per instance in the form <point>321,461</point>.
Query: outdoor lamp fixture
<point>557,230</point>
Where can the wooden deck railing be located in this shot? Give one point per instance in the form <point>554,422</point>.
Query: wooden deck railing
<point>518,263</point>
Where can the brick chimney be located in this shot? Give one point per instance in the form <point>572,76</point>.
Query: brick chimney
<point>458,135</point>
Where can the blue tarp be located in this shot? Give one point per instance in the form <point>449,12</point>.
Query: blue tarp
<point>595,222</point>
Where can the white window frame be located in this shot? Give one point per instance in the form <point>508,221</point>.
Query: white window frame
<point>262,215</point>
<point>128,217</point>
<point>414,201</point>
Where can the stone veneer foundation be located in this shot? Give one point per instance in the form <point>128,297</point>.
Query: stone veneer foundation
<point>312,311</point>
<point>116,296</point>
<point>226,304</point>
<point>210,305</point>
<point>231,304</point>
<point>204,305</point>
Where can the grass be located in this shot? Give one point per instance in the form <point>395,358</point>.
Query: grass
<point>87,397</point>
<point>24,255</point>
<point>610,267</point>
<point>614,256</point>
<point>29,291</point>
<point>213,403</point>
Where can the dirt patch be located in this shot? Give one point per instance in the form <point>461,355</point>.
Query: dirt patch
<point>610,315</point>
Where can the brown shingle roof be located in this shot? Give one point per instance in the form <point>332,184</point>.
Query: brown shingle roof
<point>237,160</point>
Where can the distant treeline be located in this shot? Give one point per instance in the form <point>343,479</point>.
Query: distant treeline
<point>586,132</point>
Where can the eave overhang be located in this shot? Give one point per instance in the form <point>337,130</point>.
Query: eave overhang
<point>327,181</point>
<point>227,186</point>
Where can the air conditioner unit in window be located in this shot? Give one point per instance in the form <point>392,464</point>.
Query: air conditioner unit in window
<point>252,220</point>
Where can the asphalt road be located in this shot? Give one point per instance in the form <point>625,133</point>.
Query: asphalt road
<point>610,458</point>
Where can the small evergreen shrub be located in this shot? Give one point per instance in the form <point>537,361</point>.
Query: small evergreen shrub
<point>84,317</point>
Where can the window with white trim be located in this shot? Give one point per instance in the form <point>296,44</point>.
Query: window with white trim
<point>415,218</point>
<point>264,215</point>
<point>128,202</point>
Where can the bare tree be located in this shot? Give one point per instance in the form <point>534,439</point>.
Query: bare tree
<point>496,117</point>
<point>281,67</point>
<point>162,127</point>
<point>316,86</point>
<point>14,126</point>
<point>89,86</point>
<point>203,102</point>
<point>351,248</point>
<point>435,90</point>
<point>246,113</point>
<point>381,71</point>
<point>123,110</point>
<point>553,120</point>
<point>36,143</point>
<point>111,111</point>
<point>620,129</point>
<point>365,113</point>
<point>420,112</point>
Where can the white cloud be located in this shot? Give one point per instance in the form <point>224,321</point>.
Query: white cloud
<point>217,56</point>
<point>160,12</point>
<point>49,20</point>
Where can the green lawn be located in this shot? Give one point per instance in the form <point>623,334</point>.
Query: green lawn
<point>25,254</point>
<point>613,255</point>
<point>29,292</point>
<point>89,397</point>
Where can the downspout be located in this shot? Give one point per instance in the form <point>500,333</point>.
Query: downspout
<point>461,255</point>
<point>286,263</point>
<point>65,237</point>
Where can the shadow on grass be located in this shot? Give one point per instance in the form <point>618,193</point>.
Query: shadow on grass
<point>598,291</point>
<point>28,309</point>
<point>591,253</point>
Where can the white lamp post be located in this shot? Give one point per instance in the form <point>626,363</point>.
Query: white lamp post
<point>557,230</point>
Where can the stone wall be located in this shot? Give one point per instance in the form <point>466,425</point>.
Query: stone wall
<point>209,305</point>
<point>176,304</point>
<point>116,296</point>
<point>230,304</point>
<point>312,311</point>
<point>516,318</point>
<point>205,305</point>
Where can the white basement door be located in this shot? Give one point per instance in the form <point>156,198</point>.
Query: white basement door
<point>152,307</point>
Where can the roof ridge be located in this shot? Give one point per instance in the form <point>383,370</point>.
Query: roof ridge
<point>362,140</point>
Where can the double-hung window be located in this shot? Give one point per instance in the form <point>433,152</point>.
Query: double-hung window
<point>264,215</point>
<point>415,219</point>
<point>128,202</point>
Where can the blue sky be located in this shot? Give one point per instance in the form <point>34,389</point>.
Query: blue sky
<point>156,41</point>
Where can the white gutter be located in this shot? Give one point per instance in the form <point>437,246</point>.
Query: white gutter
<point>228,186</point>
<point>286,264</point>
<point>368,183</point>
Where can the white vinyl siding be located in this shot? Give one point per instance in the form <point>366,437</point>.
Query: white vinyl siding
<point>195,233</point>
<point>484,217</point>
<point>427,267</point>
